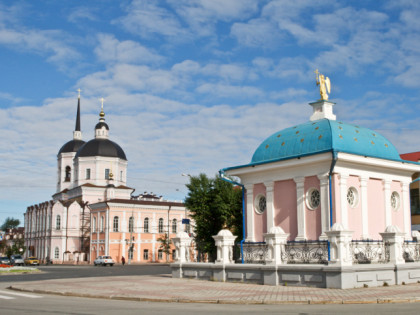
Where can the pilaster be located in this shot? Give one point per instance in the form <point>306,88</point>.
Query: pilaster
<point>387,201</point>
<point>269,195</point>
<point>249,189</point>
<point>406,208</point>
<point>364,205</point>
<point>343,200</point>
<point>325,217</point>
<point>300,201</point>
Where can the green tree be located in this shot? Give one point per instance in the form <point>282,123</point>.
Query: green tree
<point>214,204</point>
<point>165,245</point>
<point>10,223</point>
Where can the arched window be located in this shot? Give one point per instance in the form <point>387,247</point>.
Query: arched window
<point>102,223</point>
<point>131,224</point>
<point>116,224</point>
<point>174,226</point>
<point>146,225</point>
<point>94,225</point>
<point>160,225</point>
<point>68,174</point>
<point>56,253</point>
<point>58,222</point>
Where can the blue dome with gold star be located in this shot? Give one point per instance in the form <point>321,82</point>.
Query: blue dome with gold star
<point>321,136</point>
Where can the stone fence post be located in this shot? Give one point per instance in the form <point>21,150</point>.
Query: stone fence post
<point>182,243</point>
<point>275,239</point>
<point>395,238</point>
<point>340,240</point>
<point>224,243</point>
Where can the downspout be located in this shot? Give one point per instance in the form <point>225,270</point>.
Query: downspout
<point>333,162</point>
<point>223,176</point>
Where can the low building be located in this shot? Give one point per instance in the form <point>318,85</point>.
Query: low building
<point>134,229</point>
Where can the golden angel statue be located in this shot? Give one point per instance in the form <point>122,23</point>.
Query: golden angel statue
<point>324,85</point>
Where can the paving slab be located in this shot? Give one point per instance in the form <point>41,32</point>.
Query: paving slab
<point>164,288</point>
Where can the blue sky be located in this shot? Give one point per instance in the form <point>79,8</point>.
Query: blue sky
<point>193,86</point>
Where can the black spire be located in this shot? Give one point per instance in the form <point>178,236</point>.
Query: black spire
<point>78,116</point>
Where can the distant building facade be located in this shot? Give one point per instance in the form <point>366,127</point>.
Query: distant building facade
<point>414,191</point>
<point>132,228</point>
<point>90,174</point>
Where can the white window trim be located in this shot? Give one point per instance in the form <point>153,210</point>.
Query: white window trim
<point>356,197</point>
<point>257,204</point>
<point>308,198</point>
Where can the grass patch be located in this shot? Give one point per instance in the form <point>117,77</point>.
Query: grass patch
<point>18,271</point>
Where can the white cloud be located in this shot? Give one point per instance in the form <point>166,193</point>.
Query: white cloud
<point>146,18</point>
<point>203,15</point>
<point>82,13</point>
<point>230,91</point>
<point>255,33</point>
<point>111,49</point>
<point>49,42</point>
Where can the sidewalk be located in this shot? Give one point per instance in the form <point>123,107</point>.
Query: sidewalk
<point>163,288</point>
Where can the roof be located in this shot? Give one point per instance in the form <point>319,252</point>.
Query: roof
<point>101,124</point>
<point>414,156</point>
<point>71,146</point>
<point>101,147</point>
<point>146,202</point>
<point>320,136</point>
<point>98,186</point>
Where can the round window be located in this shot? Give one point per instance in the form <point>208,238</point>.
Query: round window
<point>313,198</point>
<point>352,197</point>
<point>260,204</point>
<point>395,201</point>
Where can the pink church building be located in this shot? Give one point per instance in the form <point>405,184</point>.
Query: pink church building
<point>307,177</point>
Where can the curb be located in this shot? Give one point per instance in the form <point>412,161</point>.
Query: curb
<point>218,301</point>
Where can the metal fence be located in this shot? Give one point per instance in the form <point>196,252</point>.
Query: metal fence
<point>411,251</point>
<point>305,252</point>
<point>294,252</point>
<point>255,252</point>
<point>370,252</point>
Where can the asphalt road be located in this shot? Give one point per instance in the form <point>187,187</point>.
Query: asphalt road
<point>64,271</point>
<point>12,302</point>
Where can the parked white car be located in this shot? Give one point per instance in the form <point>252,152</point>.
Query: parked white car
<point>104,260</point>
<point>17,260</point>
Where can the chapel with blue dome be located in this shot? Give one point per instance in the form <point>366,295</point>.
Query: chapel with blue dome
<point>308,177</point>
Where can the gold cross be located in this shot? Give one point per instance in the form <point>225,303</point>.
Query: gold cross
<point>102,103</point>
<point>79,90</point>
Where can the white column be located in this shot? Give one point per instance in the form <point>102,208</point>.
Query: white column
<point>343,200</point>
<point>300,201</point>
<point>406,208</point>
<point>364,204</point>
<point>139,230</point>
<point>123,230</point>
<point>107,232</point>
<point>250,237</point>
<point>325,207</point>
<point>269,195</point>
<point>387,202</point>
